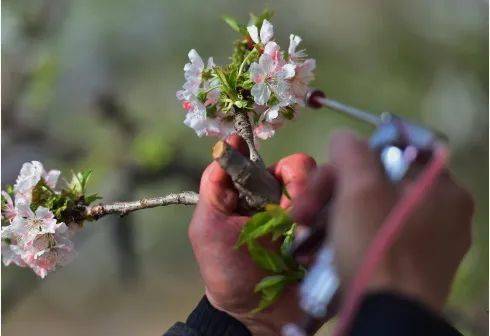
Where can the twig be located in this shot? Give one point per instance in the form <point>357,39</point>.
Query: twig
<point>245,130</point>
<point>123,208</point>
<point>255,185</point>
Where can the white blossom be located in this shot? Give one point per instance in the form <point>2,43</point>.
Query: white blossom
<point>29,224</point>
<point>269,77</point>
<point>294,41</point>
<point>266,32</point>
<point>279,84</point>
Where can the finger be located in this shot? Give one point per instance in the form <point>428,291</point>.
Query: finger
<point>293,172</point>
<point>319,191</point>
<point>217,191</point>
<point>238,143</point>
<point>354,160</point>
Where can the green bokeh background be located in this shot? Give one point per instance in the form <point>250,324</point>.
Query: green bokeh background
<point>425,60</point>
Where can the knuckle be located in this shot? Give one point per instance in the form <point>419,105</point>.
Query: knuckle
<point>301,160</point>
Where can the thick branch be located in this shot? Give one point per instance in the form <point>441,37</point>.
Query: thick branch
<point>123,208</point>
<point>245,130</point>
<point>256,186</point>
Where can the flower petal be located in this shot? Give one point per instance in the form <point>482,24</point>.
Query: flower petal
<point>195,58</point>
<point>264,131</point>
<point>287,71</point>
<point>51,178</point>
<point>261,93</point>
<point>266,63</point>
<point>294,41</point>
<point>254,33</point>
<point>273,50</point>
<point>266,32</point>
<point>256,73</point>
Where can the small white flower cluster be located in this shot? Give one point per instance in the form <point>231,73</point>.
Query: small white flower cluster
<point>33,238</point>
<point>280,83</point>
<point>196,116</point>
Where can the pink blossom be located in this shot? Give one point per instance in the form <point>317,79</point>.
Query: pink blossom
<point>30,175</point>
<point>11,252</point>
<point>264,131</point>
<point>27,225</point>
<point>303,76</point>
<point>48,251</point>
<point>8,211</point>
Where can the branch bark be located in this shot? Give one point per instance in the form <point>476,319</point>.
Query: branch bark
<point>123,208</point>
<point>256,186</point>
<point>245,130</point>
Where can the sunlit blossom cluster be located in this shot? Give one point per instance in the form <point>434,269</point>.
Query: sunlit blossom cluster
<point>33,237</point>
<point>271,87</point>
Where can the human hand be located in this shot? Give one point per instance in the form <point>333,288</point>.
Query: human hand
<point>229,274</point>
<point>423,261</point>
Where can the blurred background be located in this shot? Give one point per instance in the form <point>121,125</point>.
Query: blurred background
<point>91,84</point>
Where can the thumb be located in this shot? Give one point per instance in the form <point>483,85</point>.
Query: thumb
<point>216,190</point>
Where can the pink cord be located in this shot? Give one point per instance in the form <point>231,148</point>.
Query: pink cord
<point>386,236</point>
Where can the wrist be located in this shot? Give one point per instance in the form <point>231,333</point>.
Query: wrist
<point>207,320</point>
<point>258,324</point>
<point>412,287</point>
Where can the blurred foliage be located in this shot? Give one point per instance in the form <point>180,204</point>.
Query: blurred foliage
<point>425,60</point>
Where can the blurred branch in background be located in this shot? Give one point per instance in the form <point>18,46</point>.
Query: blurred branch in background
<point>133,175</point>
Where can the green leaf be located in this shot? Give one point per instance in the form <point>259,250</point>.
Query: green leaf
<point>238,27</point>
<point>274,220</point>
<point>91,198</point>
<point>9,189</point>
<point>257,20</point>
<point>260,218</point>
<point>266,259</point>
<point>227,88</point>
<point>288,112</point>
<point>241,104</point>
<point>269,281</point>
<point>288,241</point>
<point>270,288</point>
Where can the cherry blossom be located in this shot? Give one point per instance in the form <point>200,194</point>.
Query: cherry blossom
<point>266,32</point>
<point>303,76</point>
<point>197,115</point>
<point>47,251</point>
<point>269,77</point>
<point>197,119</point>
<point>11,252</point>
<point>270,83</point>
<point>295,56</point>
<point>9,211</point>
<point>30,175</point>
<point>28,224</point>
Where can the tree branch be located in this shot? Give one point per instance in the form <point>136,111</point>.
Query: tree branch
<point>245,130</point>
<point>256,186</point>
<point>123,208</point>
